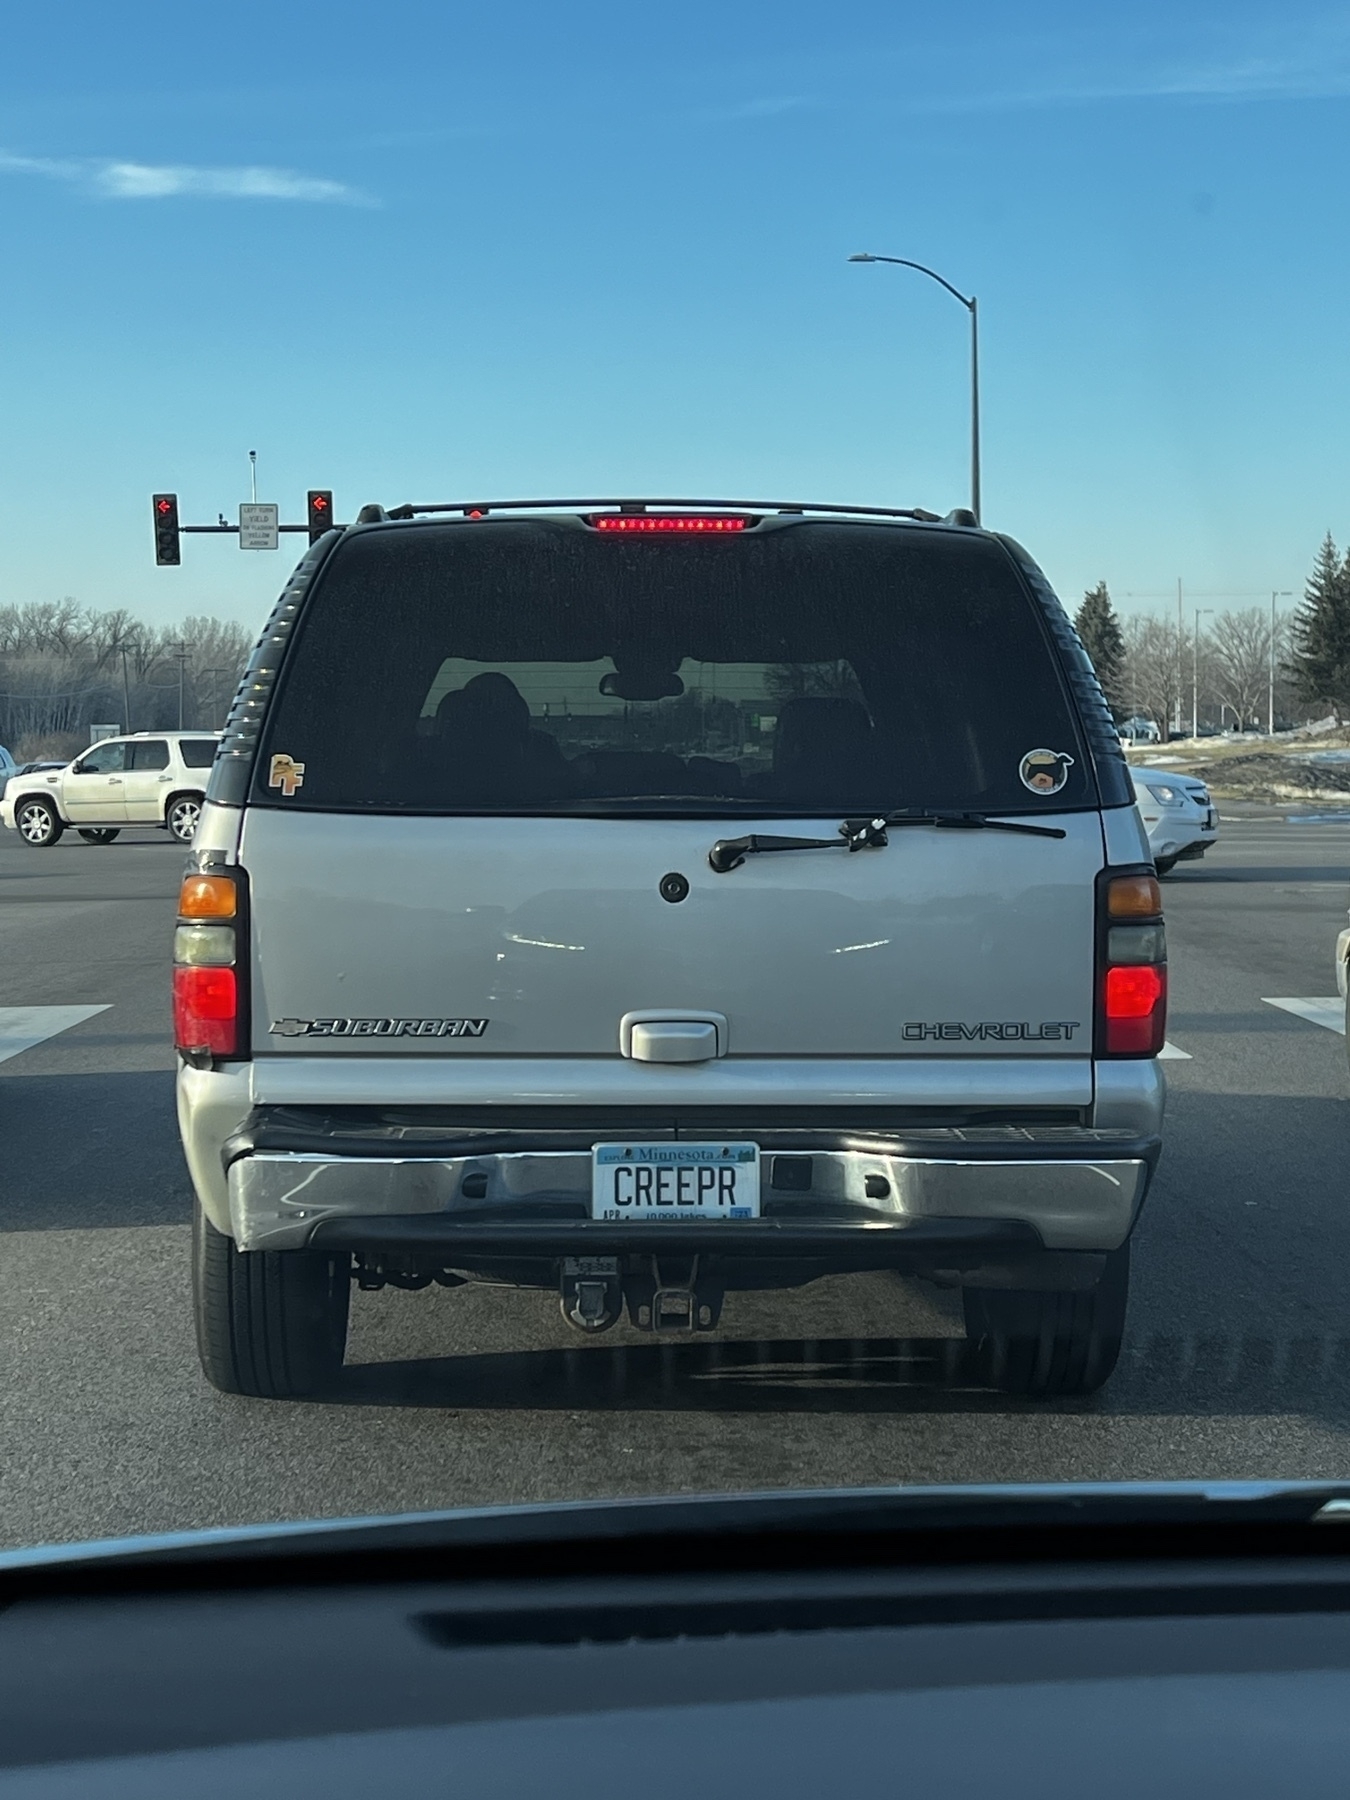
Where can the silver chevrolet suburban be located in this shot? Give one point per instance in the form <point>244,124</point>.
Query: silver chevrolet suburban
<point>646,901</point>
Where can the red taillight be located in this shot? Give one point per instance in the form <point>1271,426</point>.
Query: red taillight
<point>1132,966</point>
<point>648,522</point>
<point>1134,1010</point>
<point>206,1010</point>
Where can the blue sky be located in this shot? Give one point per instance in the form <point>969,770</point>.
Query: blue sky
<point>421,252</point>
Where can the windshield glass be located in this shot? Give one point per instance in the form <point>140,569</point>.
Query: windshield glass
<point>489,493</point>
<point>804,667</point>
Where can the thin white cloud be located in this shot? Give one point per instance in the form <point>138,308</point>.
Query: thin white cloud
<point>769,108</point>
<point>1315,65</point>
<point>108,179</point>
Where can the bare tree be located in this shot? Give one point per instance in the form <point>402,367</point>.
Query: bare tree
<point>1239,662</point>
<point>62,668</point>
<point>1155,657</point>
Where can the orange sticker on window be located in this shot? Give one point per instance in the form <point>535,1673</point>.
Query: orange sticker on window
<point>286,774</point>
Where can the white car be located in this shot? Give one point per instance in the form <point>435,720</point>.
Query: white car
<point>149,778</point>
<point>1179,816</point>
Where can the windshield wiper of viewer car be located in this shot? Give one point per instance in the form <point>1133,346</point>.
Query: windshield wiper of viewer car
<point>865,834</point>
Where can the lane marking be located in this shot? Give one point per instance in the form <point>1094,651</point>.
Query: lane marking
<point>21,1027</point>
<point>1170,1053</point>
<point>1328,1013</point>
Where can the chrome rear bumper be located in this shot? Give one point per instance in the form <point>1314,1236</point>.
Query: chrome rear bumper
<point>1077,1191</point>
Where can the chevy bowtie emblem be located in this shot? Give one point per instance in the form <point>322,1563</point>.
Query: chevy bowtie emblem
<point>286,774</point>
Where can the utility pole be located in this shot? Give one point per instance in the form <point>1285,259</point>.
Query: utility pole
<point>126,685</point>
<point>1284,594</point>
<point>1181,652</point>
<point>182,654</point>
<point>1195,671</point>
<point>212,673</point>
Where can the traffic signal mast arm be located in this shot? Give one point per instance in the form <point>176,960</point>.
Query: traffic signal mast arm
<point>168,530</point>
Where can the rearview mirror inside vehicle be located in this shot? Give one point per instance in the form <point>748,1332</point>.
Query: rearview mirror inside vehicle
<point>641,684</point>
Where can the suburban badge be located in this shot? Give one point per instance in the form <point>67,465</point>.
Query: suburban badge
<point>380,1028</point>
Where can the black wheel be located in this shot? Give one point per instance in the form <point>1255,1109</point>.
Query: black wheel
<point>39,823</point>
<point>271,1323</point>
<point>105,836</point>
<point>1164,864</point>
<point>1045,1344</point>
<point>182,815</point>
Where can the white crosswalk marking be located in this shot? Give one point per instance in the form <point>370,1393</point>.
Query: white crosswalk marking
<point>1170,1053</point>
<point>23,1026</point>
<point>1328,1012</point>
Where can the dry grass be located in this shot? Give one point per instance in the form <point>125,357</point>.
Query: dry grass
<point>1240,769</point>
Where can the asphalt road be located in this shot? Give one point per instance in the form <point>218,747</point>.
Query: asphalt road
<point>1237,1365</point>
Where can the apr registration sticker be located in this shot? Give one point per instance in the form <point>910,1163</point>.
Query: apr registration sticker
<point>1044,771</point>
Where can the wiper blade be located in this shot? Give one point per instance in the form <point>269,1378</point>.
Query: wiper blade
<point>951,821</point>
<point>866,834</point>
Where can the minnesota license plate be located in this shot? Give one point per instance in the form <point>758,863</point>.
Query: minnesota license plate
<point>667,1183</point>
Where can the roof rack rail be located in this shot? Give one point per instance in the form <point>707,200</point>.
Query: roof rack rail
<point>480,509</point>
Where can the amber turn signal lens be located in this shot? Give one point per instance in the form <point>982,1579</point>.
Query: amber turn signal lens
<point>208,897</point>
<point>1133,897</point>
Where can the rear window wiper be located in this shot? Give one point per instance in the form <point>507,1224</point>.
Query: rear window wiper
<point>866,834</point>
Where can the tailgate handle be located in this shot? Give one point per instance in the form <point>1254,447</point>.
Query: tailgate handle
<point>673,1037</point>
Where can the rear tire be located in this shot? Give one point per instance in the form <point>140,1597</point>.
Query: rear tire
<point>39,824</point>
<point>270,1323</point>
<point>1165,864</point>
<point>181,816</point>
<point>1045,1344</point>
<point>104,836</point>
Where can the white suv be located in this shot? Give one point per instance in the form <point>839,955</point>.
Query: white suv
<point>150,778</point>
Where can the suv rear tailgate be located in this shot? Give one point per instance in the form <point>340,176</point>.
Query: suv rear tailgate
<point>455,937</point>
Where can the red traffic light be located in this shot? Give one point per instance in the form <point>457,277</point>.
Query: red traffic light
<point>165,513</point>
<point>320,512</point>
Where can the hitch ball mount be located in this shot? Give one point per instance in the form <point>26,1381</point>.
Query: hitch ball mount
<point>661,1294</point>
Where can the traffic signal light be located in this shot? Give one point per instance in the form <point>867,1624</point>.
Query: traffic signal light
<point>320,512</point>
<point>166,528</point>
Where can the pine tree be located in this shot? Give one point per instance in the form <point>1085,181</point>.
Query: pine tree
<point>1320,659</point>
<point>1099,628</point>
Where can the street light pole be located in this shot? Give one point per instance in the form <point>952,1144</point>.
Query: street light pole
<point>1283,594</point>
<point>975,408</point>
<point>124,646</point>
<point>972,307</point>
<point>1195,671</point>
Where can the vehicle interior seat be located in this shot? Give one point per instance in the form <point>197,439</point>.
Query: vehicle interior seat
<point>822,749</point>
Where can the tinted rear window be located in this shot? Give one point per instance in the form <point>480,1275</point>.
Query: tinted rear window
<point>198,753</point>
<point>540,666</point>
